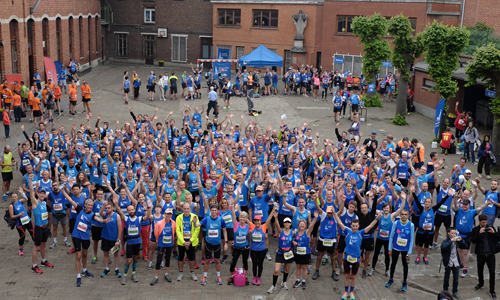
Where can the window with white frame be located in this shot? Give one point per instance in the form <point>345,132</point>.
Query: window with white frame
<point>149,15</point>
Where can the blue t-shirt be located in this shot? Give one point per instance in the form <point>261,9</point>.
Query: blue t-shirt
<point>214,229</point>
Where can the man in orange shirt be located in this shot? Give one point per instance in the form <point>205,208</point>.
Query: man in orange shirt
<point>7,98</point>
<point>86,92</point>
<point>72,100</point>
<point>36,110</point>
<point>44,98</point>
<point>57,98</point>
<point>16,101</point>
<point>50,84</point>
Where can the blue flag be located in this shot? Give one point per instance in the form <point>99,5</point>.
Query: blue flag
<point>439,115</point>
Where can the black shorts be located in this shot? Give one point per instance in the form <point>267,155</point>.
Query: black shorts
<point>126,91</point>
<point>354,268</point>
<point>341,243</point>
<point>316,228</point>
<point>280,259</point>
<point>96,233</point>
<point>321,248</point>
<point>72,223</point>
<point>466,240</point>
<point>41,234</point>
<point>337,109</point>
<point>72,103</point>
<point>173,90</point>
<point>37,113</point>
<point>85,100</point>
<point>7,176</point>
<point>424,239</point>
<point>198,86</point>
<point>227,96</point>
<point>106,245</point>
<point>303,259</point>
<point>151,88</point>
<point>316,87</point>
<point>80,244</point>
<point>355,108</point>
<point>440,219</point>
<point>230,234</point>
<point>24,100</point>
<point>356,88</point>
<point>367,244</point>
<point>431,185</point>
<point>133,250</point>
<point>39,85</point>
<point>50,105</point>
<point>183,85</point>
<point>209,248</point>
<point>189,252</point>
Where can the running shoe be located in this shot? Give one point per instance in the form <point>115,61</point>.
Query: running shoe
<point>426,261</point>
<point>84,111</point>
<point>87,274</point>
<point>117,273</point>
<point>219,280</point>
<point>461,266</point>
<point>230,280</point>
<point>175,255</point>
<point>94,260</point>
<point>268,256</point>
<point>196,266</point>
<point>53,245</point>
<point>47,264</point>
<point>167,278</point>
<point>296,284</point>
<point>404,287</point>
<point>303,285</point>
<point>202,261</point>
<point>417,261</point>
<point>351,295</point>
<point>134,278</point>
<point>254,281</point>
<point>464,273</point>
<point>179,277</point>
<point>193,276</point>
<point>308,271</point>
<point>387,273</point>
<point>150,265</point>
<point>67,243</point>
<point>493,295</point>
<point>324,261</point>
<point>223,260</point>
<point>4,197</point>
<point>284,285</point>
<point>78,282</point>
<point>162,265</point>
<point>36,270</point>
<point>457,296</point>
<point>315,275</point>
<point>258,281</point>
<point>344,296</point>
<point>21,252</point>
<point>370,272</point>
<point>433,246</point>
<point>335,276</point>
<point>271,290</point>
<point>105,272</point>
<point>122,253</point>
<point>389,283</point>
<point>124,280</point>
<point>274,234</point>
<point>204,281</point>
<point>185,260</point>
<point>154,281</point>
<point>478,287</point>
<point>364,274</point>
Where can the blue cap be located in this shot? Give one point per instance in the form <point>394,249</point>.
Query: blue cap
<point>374,132</point>
<point>397,187</point>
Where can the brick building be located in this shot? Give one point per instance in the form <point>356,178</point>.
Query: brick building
<point>31,29</point>
<point>149,30</point>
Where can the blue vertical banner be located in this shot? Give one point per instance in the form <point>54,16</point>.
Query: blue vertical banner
<point>439,115</point>
<point>371,87</point>
<point>226,66</point>
<point>59,68</point>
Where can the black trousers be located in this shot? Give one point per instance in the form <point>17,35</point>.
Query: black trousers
<point>486,162</point>
<point>446,282</point>
<point>136,92</point>
<point>395,255</point>
<point>378,246</point>
<point>489,260</point>
<point>258,262</point>
<point>212,105</point>
<point>244,252</point>
<point>17,113</point>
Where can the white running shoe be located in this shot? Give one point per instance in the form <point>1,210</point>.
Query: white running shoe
<point>271,290</point>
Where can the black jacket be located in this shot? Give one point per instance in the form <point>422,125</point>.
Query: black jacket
<point>478,238</point>
<point>446,250</point>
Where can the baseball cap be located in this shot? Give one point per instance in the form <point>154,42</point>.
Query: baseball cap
<point>236,125</point>
<point>374,132</point>
<point>468,171</point>
<point>365,156</point>
<point>287,220</point>
<point>382,161</point>
<point>312,191</point>
<point>170,176</point>
<point>329,209</point>
<point>257,218</point>
<point>169,211</point>
<point>466,202</point>
<point>259,188</point>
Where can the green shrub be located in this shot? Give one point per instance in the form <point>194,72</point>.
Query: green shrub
<point>400,120</point>
<point>374,101</point>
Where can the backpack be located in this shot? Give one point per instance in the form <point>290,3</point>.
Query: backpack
<point>444,295</point>
<point>10,222</point>
<point>240,277</point>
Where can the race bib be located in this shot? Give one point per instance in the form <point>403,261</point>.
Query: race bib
<point>402,242</point>
<point>328,242</point>
<point>26,162</point>
<point>187,235</point>
<point>133,230</point>
<point>383,233</point>
<point>259,212</point>
<point>288,255</point>
<point>240,198</point>
<point>402,175</point>
<point>213,233</point>
<point>301,250</point>
<point>58,206</point>
<point>443,208</point>
<point>351,259</point>
<point>25,220</point>
<point>167,239</point>
<point>45,216</point>
<point>257,237</point>
<point>228,219</point>
<point>82,226</point>
<point>427,226</point>
<point>241,239</point>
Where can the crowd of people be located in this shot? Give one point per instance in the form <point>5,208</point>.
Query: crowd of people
<point>212,191</point>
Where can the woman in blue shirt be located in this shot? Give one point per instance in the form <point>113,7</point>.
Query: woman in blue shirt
<point>284,254</point>
<point>302,250</point>
<point>241,245</point>
<point>258,246</point>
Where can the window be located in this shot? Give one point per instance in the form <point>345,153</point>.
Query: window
<point>149,15</point>
<point>121,44</point>
<point>344,24</point>
<point>413,22</point>
<point>80,28</point>
<point>70,34</point>
<point>45,25</point>
<point>179,48</point>
<point>265,18</point>
<point>149,46</point>
<point>206,47</point>
<point>58,38</point>
<point>229,17</point>
<point>429,83</point>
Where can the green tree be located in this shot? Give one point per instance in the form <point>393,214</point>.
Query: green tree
<point>481,35</point>
<point>486,68</point>
<point>443,44</point>
<point>406,50</point>
<point>372,32</point>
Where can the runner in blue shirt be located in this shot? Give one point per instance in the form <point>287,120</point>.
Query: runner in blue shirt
<point>284,254</point>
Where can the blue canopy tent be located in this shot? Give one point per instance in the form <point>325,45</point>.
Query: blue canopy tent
<point>261,57</point>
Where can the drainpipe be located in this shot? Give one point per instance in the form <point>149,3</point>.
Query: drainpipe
<point>33,9</point>
<point>462,14</point>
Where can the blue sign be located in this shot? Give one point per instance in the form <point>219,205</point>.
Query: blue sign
<point>491,94</point>
<point>371,87</point>
<point>386,64</point>
<point>439,115</point>
<point>339,60</point>
<point>222,53</point>
<point>226,66</point>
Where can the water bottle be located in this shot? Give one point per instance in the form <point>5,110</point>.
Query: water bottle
<point>15,164</point>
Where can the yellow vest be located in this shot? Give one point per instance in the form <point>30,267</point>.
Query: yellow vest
<point>7,159</point>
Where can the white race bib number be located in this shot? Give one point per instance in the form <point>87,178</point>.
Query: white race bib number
<point>167,239</point>
<point>402,242</point>
<point>351,259</point>
<point>82,227</point>
<point>241,239</point>
<point>26,162</point>
<point>257,237</point>
<point>25,220</point>
<point>133,230</point>
<point>301,250</point>
<point>45,216</point>
<point>427,226</point>
<point>288,255</point>
<point>58,206</point>
<point>73,209</point>
<point>228,219</point>
<point>259,212</point>
<point>187,235</point>
<point>443,208</point>
<point>213,233</point>
<point>328,242</point>
<point>240,198</point>
<point>383,233</point>
<point>402,175</point>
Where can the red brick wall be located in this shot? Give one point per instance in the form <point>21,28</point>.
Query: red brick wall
<point>20,10</point>
<point>487,11</point>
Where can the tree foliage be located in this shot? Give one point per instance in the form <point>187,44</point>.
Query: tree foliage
<point>372,31</point>
<point>481,35</point>
<point>443,45</point>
